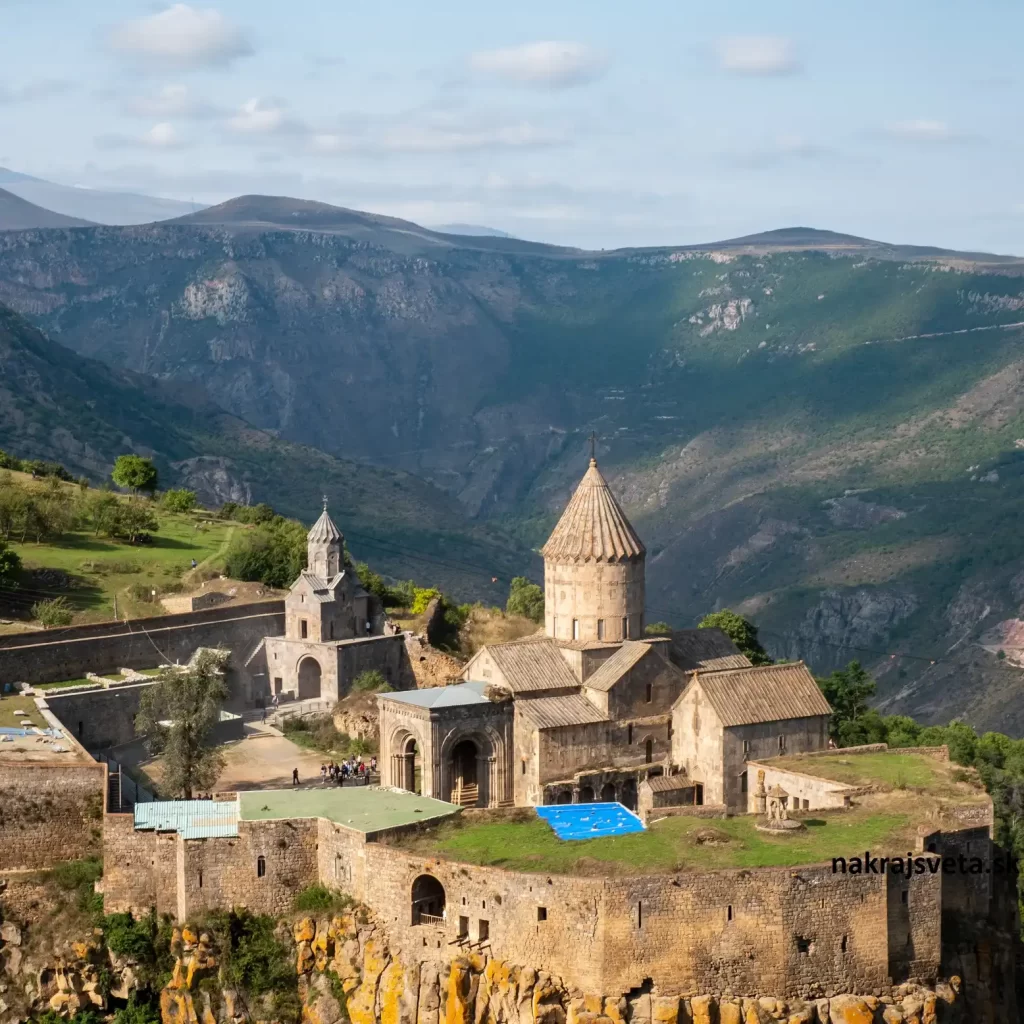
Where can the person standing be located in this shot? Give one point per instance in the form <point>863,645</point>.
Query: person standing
<point>295,776</point>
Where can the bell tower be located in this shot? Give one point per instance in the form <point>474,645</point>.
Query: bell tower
<point>324,546</point>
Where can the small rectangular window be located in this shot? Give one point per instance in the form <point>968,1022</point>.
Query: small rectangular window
<point>650,693</point>
<point>746,747</point>
<point>640,914</point>
<point>200,879</point>
<point>524,767</point>
<point>782,743</point>
<point>463,927</point>
<point>629,733</point>
<point>575,629</point>
<point>542,913</point>
<point>483,930</point>
<point>729,913</point>
<point>600,629</point>
<point>625,627</point>
<point>304,629</point>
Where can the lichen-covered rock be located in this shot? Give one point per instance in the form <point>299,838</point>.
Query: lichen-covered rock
<point>850,1010</point>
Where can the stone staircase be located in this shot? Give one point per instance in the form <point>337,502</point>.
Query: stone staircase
<point>466,796</point>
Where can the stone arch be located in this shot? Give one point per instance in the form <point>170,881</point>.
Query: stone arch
<point>405,752</point>
<point>428,900</point>
<point>648,750</point>
<point>586,794</point>
<point>608,793</point>
<point>629,794</point>
<point>490,763</point>
<point>309,677</point>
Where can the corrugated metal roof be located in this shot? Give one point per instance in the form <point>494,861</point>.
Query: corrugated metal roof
<point>457,695</point>
<point>593,527</point>
<point>709,650</point>
<point>552,712</point>
<point>770,693</point>
<point>533,665</point>
<point>618,665</point>
<point>191,819</point>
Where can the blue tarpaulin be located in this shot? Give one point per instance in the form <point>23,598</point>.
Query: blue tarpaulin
<point>590,821</point>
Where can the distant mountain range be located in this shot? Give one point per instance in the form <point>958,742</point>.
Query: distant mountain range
<point>17,214</point>
<point>88,204</point>
<point>470,229</point>
<point>822,431</point>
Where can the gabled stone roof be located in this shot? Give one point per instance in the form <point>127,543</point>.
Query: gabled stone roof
<point>769,693</point>
<point>323,589</point>
<point>593,527</point>
<point>533,664</point>
<point>553,712</point>
<point>669,783</point>
<point>706,649</point>
<point>618,665</point>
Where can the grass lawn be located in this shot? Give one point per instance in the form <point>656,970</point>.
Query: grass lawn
<point>10,704</point>
<point>889,769</point>
<point>101,568</point>
<point>64,683</point>
<point>673,844</point>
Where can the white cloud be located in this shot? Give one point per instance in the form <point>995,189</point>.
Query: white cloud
<point>758,55</point>
<point>921,130</point>
<point>162,135</point>
<point>182,36</point>
<point>263,117</point>
<point>551,64</point>
<point>170,101</point>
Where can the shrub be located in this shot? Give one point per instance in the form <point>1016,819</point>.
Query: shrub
<point>370,681</point>
<point>526,599</point>
<point>137,1011</point>
<point>316,899</point>
<point>129,937</point>
<point>142,592</point>
<point>53,612</point>
<point>179,500</point>
<point>73,874</point>
<point>658,629</point>
<point>421,598</point>
<point>274,553</point>
<point>258,961</point>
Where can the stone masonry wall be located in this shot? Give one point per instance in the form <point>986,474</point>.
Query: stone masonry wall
<point>818,793</point>
<point>99,718</point>
<point>70,652</point>
<point>49,812</point>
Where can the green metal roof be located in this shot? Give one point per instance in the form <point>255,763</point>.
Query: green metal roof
<point>363,808</point>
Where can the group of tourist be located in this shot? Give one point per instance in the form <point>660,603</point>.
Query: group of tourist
<point>349,768</point>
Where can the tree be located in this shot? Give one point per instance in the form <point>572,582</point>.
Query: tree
<point>134,473</point>
<point>10,567</point>
<point>53,612</point>
<point>12,510</point>
<point>179,500</point>
<point>370,681</point>
<point>273,553</point>
<point>741,632</point>
<point>103,510</point>
<point>526,599</point>
<point>133,520</point>
<point>658,629</point>
<point>190,702</point>
<point>849,690</point>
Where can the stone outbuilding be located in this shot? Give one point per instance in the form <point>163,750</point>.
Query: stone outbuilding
<point>725,719</point>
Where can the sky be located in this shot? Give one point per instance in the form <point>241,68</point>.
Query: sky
<point>594,123</point>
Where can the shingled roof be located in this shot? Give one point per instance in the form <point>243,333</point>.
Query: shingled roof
<point>593,527</point>
<point>323,531</point>
<point>533,664</point>
<point>769,693</point>
<point>706,649</point>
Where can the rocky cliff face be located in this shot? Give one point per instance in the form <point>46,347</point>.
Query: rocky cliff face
<point>346,971</point>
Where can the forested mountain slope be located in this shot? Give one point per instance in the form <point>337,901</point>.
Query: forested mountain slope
<point>740,391</point>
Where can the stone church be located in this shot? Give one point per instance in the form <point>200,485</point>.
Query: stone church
<point>590,708</point>
<point>332,627</point>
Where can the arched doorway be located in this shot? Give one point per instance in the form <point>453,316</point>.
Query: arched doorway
<point>564,797</point>
<point>586,794</point>
<point>428,900</point>
<point>406,763</point>
<point>465,784</point>
<point>309,679</point>
<point>608,793</point>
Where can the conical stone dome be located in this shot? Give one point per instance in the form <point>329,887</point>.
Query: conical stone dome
<point>324,544</point>
<point>323,531</point>
<point>594,569</point>
<point>593,527</point>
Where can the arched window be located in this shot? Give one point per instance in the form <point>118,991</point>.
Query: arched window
<point>428,900</point>
<point>261,866</point>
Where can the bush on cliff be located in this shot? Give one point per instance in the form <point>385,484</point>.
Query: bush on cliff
<point>273,553</point>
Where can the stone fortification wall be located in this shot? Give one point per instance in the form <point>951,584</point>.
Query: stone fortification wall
<point>806,792</point>
<point>98,718</point>
<point>49,812</point>
<point>70,652</point>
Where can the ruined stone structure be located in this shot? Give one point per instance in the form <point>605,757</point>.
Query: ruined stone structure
<point>590,709</point>
<point>326,613</point>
